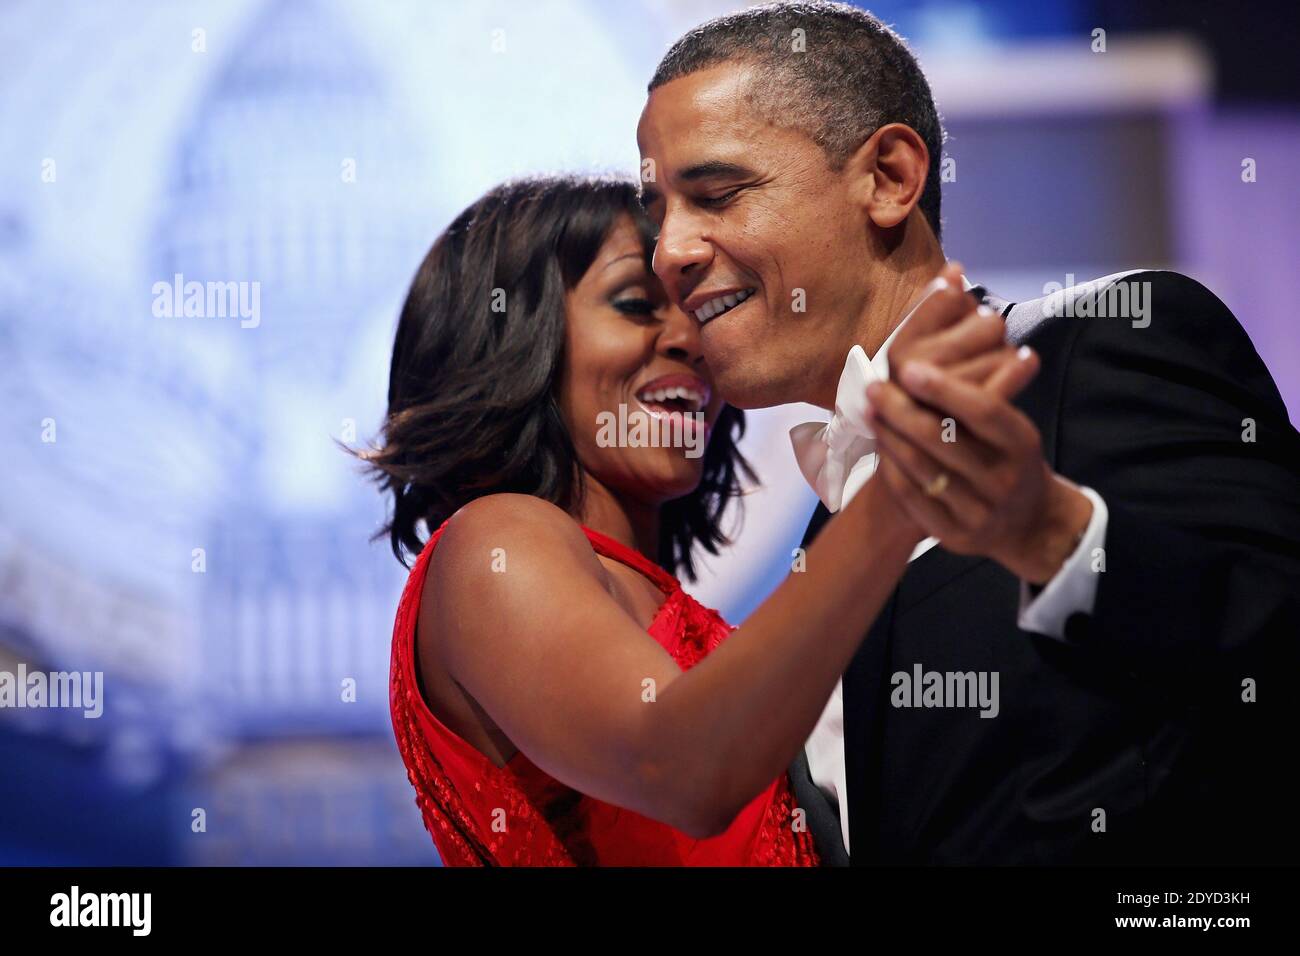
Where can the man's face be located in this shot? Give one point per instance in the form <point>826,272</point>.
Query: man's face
<point>752,214</point>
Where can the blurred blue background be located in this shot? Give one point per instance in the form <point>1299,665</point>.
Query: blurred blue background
<point>174,511</point>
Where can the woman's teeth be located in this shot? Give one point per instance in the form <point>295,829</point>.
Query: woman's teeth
<point>715,307</point>
<point>691,400</point>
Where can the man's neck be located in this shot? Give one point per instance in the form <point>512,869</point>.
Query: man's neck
<point>886,313</point>
<point>885,310</point>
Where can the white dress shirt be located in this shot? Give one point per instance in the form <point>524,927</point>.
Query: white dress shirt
<point>1072,590</point>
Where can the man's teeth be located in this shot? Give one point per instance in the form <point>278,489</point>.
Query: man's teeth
<point>715,307</point>
<point>694,400</point>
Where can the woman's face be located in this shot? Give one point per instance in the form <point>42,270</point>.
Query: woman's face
<point>635,392</point>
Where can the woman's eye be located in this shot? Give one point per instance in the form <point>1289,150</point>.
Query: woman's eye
<point>632,306</point>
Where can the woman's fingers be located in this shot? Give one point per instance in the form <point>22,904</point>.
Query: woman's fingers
<point>944,305</point>
<point>891,407</point>
<point>948,489</point>
<point>978,369</point>
<point>989,416</point>
<point>1005,371</point>
<point>979,332</point>
<point>1014,373</point>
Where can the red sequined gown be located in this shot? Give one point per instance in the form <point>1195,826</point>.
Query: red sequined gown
<point>462,794</point>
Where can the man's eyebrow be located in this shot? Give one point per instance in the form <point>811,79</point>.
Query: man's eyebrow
<point>714,169</point>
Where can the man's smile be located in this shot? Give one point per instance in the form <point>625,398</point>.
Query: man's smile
<point>709,305</point>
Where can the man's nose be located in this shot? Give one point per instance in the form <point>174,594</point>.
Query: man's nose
<point>680,253</point>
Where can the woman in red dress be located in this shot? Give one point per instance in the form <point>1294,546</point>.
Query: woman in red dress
<point>557,698</point>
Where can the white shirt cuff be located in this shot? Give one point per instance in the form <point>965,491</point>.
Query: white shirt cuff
<point>1073,589</point>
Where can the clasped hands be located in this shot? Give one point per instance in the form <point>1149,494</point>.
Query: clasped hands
<point>962,463</point>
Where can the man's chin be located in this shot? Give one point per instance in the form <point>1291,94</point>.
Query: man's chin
<point>749,391</point>
<point>744,379</point>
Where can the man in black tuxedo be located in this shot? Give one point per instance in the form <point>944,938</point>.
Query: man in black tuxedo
<point>1087,658</point>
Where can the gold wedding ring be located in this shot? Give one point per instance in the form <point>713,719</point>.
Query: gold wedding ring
<point>936,485</point>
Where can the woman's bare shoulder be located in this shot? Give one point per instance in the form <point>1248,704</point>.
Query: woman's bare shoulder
<point>533,527</point>
<point>509,550</point>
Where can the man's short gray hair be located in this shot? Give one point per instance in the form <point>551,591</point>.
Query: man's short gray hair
<point>853,76</point>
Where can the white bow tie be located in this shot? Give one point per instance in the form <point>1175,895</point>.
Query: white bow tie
<point>836,456</point>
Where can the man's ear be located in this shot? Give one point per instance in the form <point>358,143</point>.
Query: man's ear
<point>888,173</point>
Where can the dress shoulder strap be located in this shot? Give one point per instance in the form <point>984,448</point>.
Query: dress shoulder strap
<point>603,544</point>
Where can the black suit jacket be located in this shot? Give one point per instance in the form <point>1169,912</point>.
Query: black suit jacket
<point>1128,741</point>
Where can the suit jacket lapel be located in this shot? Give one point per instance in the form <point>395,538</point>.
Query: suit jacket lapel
<point>865,697</point>
<point>823,818</point>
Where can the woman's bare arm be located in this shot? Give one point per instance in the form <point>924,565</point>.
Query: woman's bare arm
<point>563,669</point>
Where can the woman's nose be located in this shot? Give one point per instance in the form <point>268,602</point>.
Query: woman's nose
<point>679,337</point>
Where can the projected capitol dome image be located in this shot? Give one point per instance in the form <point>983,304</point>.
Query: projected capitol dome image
<point>177,513</point>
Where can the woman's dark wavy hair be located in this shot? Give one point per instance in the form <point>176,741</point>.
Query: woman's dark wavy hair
<point>472,406</point>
